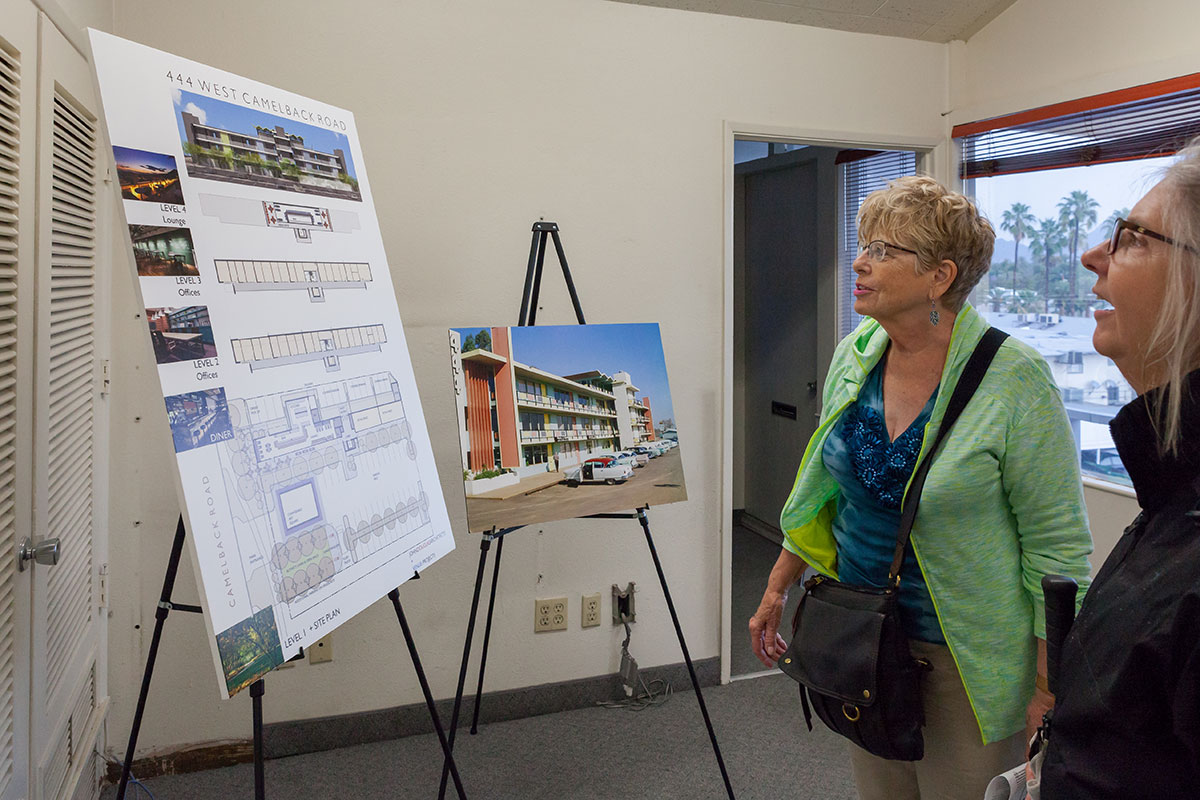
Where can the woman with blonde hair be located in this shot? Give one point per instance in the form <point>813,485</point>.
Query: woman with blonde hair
<point>1127,717</point>
<point>1000,508</point>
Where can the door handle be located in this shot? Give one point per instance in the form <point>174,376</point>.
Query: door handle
<point>45,552</point>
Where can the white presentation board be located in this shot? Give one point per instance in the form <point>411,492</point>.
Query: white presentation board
<point>305,468</point>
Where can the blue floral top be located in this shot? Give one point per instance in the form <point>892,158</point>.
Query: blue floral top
<point>872,473</point>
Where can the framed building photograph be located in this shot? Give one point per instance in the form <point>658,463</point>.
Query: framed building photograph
<point>563,421</point>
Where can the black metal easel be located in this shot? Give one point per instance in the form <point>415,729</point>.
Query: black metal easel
<point>529,302</point>
<point>258,688</point>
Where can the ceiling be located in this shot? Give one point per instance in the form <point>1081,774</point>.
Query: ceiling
<point>928,20</point>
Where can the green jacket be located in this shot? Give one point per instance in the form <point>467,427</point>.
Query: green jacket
<point>1002,506</point>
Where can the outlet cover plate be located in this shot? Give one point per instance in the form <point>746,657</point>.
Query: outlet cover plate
<point>590,616</point>
<point>549,614</point>
<point>321,650</point>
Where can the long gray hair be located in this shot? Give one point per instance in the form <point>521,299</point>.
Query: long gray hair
<point>1175,341</point>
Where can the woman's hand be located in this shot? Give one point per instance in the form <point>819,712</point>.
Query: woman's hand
<point>765,640</point>
<point>1042,702</point>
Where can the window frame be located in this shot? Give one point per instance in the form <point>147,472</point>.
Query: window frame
<point>1134,110</point>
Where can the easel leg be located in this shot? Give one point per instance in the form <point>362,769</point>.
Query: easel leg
<point>644,518</point>
<point>160,616</point>
<point>487,638</point>
<point>562,262</point>
<point>257,689</point>
<point>394,596</point>
<point>537,278</point>
<point>485,544</point>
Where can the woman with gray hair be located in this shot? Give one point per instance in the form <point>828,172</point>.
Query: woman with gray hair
<point>1127,718</point>
<point>1001,506</point>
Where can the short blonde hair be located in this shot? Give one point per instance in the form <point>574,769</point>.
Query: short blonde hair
<point>1175,341</point>
<point>919,213</point>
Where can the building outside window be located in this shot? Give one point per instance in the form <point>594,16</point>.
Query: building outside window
<point>1053,181</point>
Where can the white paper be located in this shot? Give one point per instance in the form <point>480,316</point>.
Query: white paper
<point>305,467</point>
<point>1008,785</point>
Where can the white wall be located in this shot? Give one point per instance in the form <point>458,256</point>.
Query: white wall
<point>477,117</point>
<point>1046,51</point>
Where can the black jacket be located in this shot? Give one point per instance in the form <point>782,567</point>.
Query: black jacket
<point>1127,720</point>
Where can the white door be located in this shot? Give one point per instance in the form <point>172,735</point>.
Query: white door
<point>18,135</point>
<point>67,628</point>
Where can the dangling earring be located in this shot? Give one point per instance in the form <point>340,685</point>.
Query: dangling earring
<point>934,316</point>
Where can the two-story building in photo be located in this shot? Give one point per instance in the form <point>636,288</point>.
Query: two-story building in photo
<point>271,145</point>
<point>522,418</point>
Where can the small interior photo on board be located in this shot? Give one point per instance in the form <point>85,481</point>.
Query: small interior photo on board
<point>148,177</point>
<point>562,421</point>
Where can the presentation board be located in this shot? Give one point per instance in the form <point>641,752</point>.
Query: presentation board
<point>561,421</point>
<point>305,473</point>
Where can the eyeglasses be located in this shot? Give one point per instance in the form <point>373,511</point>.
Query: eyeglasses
<point>877,250</point>
<point>1114,241</point>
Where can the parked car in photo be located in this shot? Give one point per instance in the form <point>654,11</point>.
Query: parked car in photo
<point>605,469</point>
<point>647,450</point>
<point>636,459</point>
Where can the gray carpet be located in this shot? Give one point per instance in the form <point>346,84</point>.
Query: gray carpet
<point>753,557</point>
<point>592,753</point>
<point>588,754</point>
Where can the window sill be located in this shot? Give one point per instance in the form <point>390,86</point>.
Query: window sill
<point>1108,486</point>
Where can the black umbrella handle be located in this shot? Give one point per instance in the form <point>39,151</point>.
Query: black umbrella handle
<point>1059,592</point>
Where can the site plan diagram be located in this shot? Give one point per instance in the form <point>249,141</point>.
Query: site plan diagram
<point>306,474</point>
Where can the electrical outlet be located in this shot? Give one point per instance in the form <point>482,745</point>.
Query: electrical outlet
<point>321,650</point>
<point>591,610</point>
<point>622,604</point>
<point>549,614</point>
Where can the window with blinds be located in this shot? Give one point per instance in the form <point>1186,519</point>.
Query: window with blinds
<point>10,108</point>
<point>1053,179</point>
<point>1145,121</point>
<point>860,172</point>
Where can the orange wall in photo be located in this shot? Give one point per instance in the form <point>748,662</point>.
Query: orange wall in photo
<point>649,418</point>
<point>506,399</point>
<point>479,416</point>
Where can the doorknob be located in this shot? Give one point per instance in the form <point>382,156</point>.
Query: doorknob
<point>45,552</point>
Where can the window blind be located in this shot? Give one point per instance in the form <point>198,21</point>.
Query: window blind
<point>1141,122</point>
<point>859,174</point>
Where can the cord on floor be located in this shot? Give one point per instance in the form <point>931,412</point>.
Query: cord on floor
<point>632,678</point>
<point>134,783</point>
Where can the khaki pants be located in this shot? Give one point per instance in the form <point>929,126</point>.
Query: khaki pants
<point>957,765</point>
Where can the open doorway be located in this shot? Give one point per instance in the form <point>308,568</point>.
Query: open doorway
<point>794,239</point>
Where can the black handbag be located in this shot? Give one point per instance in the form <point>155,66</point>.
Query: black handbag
<point>849,652</point>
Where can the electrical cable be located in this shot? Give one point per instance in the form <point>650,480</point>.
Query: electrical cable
<point>648,696</point>
<point>133,782</point>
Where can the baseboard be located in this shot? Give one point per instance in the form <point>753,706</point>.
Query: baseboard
<point>296,737</point>
<point>190,758</point>
<point>770,532</point>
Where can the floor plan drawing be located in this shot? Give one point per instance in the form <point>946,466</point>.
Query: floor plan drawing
<point>314,277</point>
<point>322,479</point>
<point>305,473</point>
<point>302,220</point>
<point>329,346</point>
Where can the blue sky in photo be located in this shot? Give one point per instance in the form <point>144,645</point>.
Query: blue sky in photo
<point>571,349</point>
<point>242,119</point>
<point>142,159</point>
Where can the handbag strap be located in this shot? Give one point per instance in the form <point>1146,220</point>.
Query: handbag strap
<point>968,382</point>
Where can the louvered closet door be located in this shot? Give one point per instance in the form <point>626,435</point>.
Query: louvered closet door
<point>18,132</point>
<point>66,624</point>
